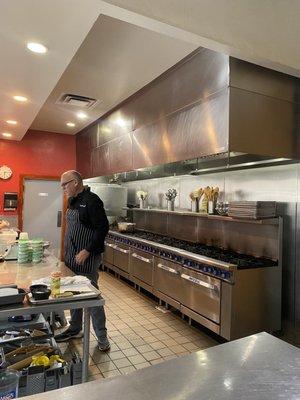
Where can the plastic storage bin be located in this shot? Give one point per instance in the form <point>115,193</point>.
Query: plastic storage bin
<point>9,382</point>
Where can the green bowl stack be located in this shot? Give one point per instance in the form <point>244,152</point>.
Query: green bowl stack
<point>23,251</point>
<point>37,246</point>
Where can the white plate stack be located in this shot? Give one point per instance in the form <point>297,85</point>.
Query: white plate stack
<point>252,209</point>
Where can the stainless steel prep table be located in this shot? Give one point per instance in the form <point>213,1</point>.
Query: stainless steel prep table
<point>23,274</point>
<point>257,367</point>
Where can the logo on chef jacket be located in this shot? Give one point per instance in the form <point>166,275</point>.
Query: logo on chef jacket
<point>82,205</point>
<point>9,395</point>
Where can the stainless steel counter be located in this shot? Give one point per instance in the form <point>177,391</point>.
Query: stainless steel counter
<point>257,367</point>
<point>23,274</point>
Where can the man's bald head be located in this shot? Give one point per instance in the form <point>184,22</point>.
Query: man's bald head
<point>72,174</point>
<point>71,183</point>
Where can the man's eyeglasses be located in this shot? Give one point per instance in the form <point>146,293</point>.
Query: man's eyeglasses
<point>65,184</point>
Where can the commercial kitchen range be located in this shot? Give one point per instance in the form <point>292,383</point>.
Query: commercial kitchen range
<point>221,272</point>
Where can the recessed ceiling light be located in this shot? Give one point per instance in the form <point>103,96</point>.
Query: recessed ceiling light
<point>81,115</point>
<point>37,47</point>
<point>20,98</point>
<point>70,124</point>
<point>11,122</point>
<point>6,134</point>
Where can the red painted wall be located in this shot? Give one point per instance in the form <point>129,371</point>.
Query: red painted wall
<point>38,153</point>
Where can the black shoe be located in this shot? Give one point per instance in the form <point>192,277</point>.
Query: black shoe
<point>104,346</point>
<point>67,335</point>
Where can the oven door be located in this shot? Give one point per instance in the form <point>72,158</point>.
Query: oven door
<point>201,293</point>
<point>142,266</point>
<point>122,257</point>
<point>167,278</point>
<point>108,255</point>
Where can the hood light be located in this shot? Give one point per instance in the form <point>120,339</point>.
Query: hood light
<point>22,99</point>
<point>37,47</point>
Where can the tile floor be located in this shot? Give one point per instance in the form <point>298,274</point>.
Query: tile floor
<point>140,335</point>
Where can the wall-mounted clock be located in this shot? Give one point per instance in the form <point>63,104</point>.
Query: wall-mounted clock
<point>5,172</point>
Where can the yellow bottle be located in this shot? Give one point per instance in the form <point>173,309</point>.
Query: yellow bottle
<point>55,284</point>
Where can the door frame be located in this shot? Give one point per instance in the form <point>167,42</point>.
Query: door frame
<point>22,180</point>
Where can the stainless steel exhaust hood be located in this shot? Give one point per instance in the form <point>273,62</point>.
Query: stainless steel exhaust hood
<point>234,163</point>
<point>211,112</point>
<point>248,116</point>
<point>200,166</point>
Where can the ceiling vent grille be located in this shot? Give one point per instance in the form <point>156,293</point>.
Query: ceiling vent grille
<point>76,100</point>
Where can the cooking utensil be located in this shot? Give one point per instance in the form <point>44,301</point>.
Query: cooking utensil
<point>126,226</point>
<point>70,293</point>
<point>222,208</point>
<point>41,294</point>
<point>37,287</point>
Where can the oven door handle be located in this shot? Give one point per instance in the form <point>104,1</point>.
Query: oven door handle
<point>141,258</point>
<point>113,246</point>
<point>121,250</point>
<point>165,268</point>
<point>198,281</point>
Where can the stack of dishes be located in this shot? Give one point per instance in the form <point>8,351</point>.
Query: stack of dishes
<point>252,209</point>
<point>23,251</point>
<point>37,246</point>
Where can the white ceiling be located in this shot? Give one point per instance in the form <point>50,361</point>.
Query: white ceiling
<point>263,31</point>
<point>57,24</point>
<point>115,60</point>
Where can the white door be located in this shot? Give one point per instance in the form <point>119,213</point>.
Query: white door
<point>42,203</point>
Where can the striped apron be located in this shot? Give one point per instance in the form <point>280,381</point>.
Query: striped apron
<point>77,237</point>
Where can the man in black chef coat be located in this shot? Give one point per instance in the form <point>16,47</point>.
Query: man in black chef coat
<point>86,228</point>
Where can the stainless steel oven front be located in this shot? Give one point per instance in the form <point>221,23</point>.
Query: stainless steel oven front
<point>142,266</point>
<point>167,281</point>
<point>201,293</point>
<point>122,257</point>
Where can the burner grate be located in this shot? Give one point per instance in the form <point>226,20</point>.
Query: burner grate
<point>228,256</point>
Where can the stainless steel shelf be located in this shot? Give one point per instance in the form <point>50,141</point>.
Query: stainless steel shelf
<point>265,221</point>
